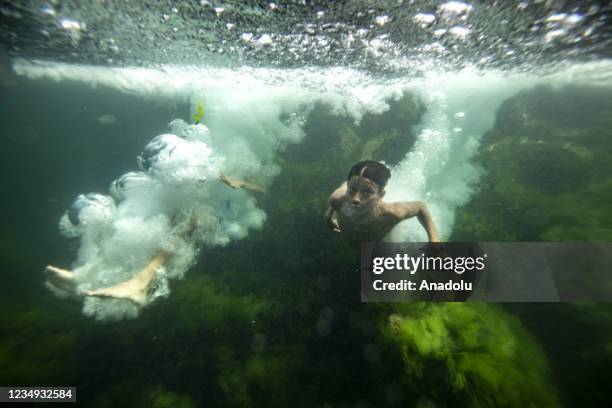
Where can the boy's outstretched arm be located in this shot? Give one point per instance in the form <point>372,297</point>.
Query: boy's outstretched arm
<point>417,209</point>
<point>335,202</point>
<point>330,222</point>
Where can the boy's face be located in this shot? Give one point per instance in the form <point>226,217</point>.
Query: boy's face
<point>362,193</point>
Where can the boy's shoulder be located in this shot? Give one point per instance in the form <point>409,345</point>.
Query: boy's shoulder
<point>336,199</point>
<point>400,209</point>
<point>403,209</point>
<point>389,210</point>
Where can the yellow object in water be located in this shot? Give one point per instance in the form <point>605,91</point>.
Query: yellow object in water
<point>199,113</point>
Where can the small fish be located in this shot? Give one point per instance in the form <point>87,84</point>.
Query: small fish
<point>107,119</point>
<point>199,113</point>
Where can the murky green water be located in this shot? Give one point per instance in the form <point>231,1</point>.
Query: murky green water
<point>261,306</point>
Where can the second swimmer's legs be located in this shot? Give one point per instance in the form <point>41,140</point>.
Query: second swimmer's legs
<point>60,278</point>
<point>136,288</point>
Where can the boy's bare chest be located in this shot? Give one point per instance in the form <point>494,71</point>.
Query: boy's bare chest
<point>370,228</point>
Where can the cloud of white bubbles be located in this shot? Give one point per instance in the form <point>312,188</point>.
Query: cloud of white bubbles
<point>250,115</point>
<point>173,205</point>
<point>460,109</point>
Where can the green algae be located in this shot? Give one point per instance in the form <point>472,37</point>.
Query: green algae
<point>548,177</point>
<point>547,172</point>
<point>205,305</point>
<point>36,346</point>
<point>263,378</point>
<point>159,397</point>
<point>478,354</point>
<point>275,319</point>
<point>580,357</point>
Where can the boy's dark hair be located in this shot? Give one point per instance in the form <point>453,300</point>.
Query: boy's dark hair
<point>373,170</point>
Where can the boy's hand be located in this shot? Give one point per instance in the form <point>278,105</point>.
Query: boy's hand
<point>333,225</point>
<point>330,222</point>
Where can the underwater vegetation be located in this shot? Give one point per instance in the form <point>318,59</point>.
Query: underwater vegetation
<point>547,176</point>
<point>479,355</point>
<point>547,170</point>
<point>36,347</point>
<point>580,358</point>
<point>275,320</point>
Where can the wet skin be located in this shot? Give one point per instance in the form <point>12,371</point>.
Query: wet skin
<point>357,210</point>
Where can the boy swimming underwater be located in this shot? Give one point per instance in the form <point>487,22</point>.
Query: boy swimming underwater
<point>357,210</point>
<point>135,289</point>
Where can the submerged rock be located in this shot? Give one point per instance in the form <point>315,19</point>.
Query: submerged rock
<point>480,356</point>
<point>334,143</point>
<point>548,170</point>
<point>548,177</point>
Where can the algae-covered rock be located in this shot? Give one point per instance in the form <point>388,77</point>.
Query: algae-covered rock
<point>160,397</point>
<point>471,355</point>
<point>264,378</point>
<point>548,177</point>
<point>391,144</point>
<point>403,113</point>
<point>134,394</point>
<point>547,170</point>
<point>205,306</point>
<point>333,143</point>
<point>36,347</point>
<point>581,357</point>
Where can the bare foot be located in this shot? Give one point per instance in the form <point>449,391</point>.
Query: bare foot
<point>134,290</point>
<point>60,278</point>
<point>63,274</point>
